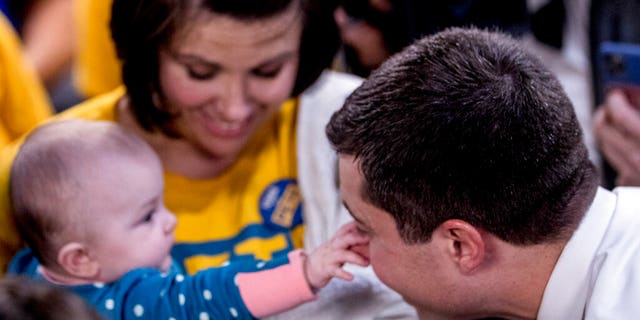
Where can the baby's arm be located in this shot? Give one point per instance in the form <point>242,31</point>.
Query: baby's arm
<point>273,291</point>
<point>239,290</point>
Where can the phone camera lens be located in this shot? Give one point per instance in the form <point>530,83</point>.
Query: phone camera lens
<point>615,64</point>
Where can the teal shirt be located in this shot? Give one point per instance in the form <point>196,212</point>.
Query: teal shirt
<point>147,293</point>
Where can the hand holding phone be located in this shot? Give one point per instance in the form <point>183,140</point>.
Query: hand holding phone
<point>616,123</point>
<point>619,68</point>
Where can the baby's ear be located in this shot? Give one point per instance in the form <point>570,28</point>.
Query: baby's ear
<point>74,258</point>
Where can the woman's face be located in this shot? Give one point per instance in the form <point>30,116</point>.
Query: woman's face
<point>224,78</point>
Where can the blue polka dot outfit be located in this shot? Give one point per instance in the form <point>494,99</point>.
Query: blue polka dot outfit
<point>146,293</point>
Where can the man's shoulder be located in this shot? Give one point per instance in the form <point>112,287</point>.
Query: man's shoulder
<point>628,194</point>
<point>332,84</point>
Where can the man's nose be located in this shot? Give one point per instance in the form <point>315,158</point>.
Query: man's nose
<point>361,249</point>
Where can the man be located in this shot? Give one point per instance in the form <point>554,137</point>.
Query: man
<point>462,159</point>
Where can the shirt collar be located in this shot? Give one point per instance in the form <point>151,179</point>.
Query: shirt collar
<point>566,292</point>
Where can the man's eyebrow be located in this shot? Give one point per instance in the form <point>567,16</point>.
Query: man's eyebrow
<point>351,213</point>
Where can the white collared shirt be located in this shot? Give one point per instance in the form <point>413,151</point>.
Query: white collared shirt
<point>598,273</point>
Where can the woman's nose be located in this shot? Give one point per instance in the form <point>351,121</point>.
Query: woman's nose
<point>236,104</point>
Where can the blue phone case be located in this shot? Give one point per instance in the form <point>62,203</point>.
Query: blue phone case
<point>619,65</point>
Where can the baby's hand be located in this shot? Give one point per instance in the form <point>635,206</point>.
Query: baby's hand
<point>327,260</point>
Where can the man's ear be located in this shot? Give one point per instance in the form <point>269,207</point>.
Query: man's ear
<point>74,258</point>
<point>465,244</point>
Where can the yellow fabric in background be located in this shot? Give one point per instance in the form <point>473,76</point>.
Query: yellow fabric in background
<point>23,104</point>
<point>96,68</point>
<point>23,99</point>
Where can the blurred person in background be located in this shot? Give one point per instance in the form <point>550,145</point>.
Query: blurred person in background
<point>96,69</point>
<point>617,120</point>
<point>47,31</point>
<point>372,30</point>
<point>23,99</point>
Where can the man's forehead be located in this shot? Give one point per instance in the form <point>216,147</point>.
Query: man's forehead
<point>348,167</point>
<point>350,178</point>
<point>351,186</point>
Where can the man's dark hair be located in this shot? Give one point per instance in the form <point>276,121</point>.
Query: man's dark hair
<point>466,125</point>
<point>140,28</point>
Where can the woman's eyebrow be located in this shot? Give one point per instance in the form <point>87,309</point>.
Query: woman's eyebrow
<point>191,58</point>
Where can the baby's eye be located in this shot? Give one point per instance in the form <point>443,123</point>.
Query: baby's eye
<point>149,216</point>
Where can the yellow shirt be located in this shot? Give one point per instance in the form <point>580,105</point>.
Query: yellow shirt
<point>23,100</point>
<point>96,69</point>
<point>252,211</point>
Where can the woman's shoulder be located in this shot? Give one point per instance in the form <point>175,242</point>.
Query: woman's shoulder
<point>101,107</point>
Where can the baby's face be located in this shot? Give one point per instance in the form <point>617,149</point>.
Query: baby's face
<point>132,226</point>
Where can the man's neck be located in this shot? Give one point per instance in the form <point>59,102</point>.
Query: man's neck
<point>510,287</point>
<point>520,280</point>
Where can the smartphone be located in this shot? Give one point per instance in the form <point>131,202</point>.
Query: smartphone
<point>619,67</point>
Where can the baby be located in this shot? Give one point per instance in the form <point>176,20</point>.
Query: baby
<point>88,200</point>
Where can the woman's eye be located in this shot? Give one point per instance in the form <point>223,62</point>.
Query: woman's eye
<point>270,72</point>
<point>200,75</point>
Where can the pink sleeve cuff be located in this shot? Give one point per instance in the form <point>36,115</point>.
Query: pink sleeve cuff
<point>276,290</point>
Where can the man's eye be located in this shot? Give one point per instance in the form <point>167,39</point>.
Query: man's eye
<point>362,230</point>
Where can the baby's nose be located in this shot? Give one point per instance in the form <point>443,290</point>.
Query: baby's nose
<point>170,222</point>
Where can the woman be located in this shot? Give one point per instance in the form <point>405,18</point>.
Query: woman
<point>209,87</point>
